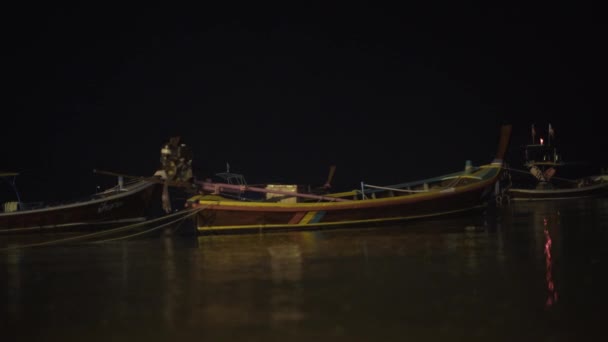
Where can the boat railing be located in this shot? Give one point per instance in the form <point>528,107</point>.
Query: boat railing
<point>119,187</point>
<point>453,175</point>
<point>420,186</point>
<point>31,205</point>
<point>374,190</point>
<point>393,189</point>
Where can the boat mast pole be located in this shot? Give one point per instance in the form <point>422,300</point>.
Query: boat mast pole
<point>533,134</point>
<point>503,143</point>
<point>13,184</point>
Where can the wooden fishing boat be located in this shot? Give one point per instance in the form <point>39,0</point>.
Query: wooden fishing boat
<point>129,204</point>
<point>123,204</point>
<point>592,186</point>
<point>457,192</point>
<point>539,181</point>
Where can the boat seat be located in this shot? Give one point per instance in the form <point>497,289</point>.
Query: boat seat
<point>10,207</point>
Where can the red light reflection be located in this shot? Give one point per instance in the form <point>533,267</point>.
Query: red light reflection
<point>552,291</point>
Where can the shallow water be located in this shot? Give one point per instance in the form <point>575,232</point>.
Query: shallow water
<point>530,271</point>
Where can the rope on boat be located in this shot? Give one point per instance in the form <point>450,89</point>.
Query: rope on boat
<point>127,227</point>
<point>48,228</point>
<point>184,214</point>
<point>190,214</point>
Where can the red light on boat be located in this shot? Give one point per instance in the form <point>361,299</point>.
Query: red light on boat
<point>542,141</point>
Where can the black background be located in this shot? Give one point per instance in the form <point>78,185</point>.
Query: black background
<point>281,92</point>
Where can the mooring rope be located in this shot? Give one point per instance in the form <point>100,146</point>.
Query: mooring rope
<point>105,232</point>
<point>48,228</point>
<point>190,214</point>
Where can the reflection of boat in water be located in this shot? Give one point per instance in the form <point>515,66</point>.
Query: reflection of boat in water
<point>122,204</point>
<point>452,193</point>
<point>539,182</point>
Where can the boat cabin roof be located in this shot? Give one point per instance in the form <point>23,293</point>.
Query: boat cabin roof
<point>541,154</point>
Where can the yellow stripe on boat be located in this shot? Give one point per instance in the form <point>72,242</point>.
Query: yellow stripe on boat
<point>309,216</point>
<point>312,217</point>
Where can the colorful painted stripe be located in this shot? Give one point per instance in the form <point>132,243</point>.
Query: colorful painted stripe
<point>312,217</point>
<point>297,217</point>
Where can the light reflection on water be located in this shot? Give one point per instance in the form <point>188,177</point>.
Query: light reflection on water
<point>423,280</point>
<point>552,291</point>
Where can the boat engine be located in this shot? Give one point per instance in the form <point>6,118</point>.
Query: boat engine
<point>176,161</point>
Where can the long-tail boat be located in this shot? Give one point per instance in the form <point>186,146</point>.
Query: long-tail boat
<point>539,181</point>
<point>125,203</point>
<point>128,203</point>
<point>457,192</point>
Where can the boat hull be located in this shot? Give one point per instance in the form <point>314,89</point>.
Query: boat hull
<point>233,216</point>
<point>120,207</point>
<point>593,190</point>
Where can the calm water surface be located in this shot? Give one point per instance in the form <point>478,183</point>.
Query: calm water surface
<point>530,271</point>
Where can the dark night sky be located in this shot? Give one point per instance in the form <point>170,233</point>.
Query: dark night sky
<point>387,94</point>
